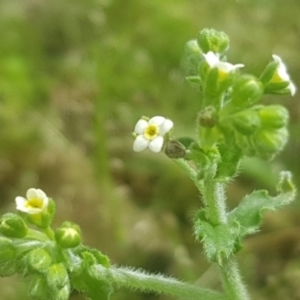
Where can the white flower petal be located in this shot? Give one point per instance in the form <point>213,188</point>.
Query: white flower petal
<point>227,67</point>
<point>157,120</point>
<point>33,210</point>
<point>211,58</point>
<point>277,59</point>
<point>156,144</point>
<point>41,194</point>
<point>32,193</point>
<point>165,127</point>
<point>281,69</point>
<point>237,66</point>
<point>20,202</point>
<point>140,126</point>
<point>292,88</point>
<point>140,143</point>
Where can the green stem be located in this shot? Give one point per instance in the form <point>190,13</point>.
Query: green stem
<point>232,281</point>
<point>214,195</point>
<point>190,172</point>
<point>49,232</point>
<point>139,280</point>
<point>213,192</point>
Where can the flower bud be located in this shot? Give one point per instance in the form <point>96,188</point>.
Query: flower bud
<point>57,276</point>
<point>7,250</point>
<point>38,260</point>
<point>68,235</point>
<point>63,293</point>
<point>213,40</point>
<point>174,149</point>
<point>270,142</point>
<point>12,225</point>
<point>38,288</point>
<point>273,116</point>
<point>246,91</point>
<point>246,121</point>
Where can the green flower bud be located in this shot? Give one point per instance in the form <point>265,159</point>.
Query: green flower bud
<point>68,235</point>
<point>270,142</point>
<point>274,116</point>
<point>12,225</point>
<point>38,260</point>
<point>213,40</point>
<point>246,121</point>
<point>38,288</point>
<point>246,91</point>
<point>7,250</point>
<point>57,276</point>
<point>63,293</point>
<point>174,149</point>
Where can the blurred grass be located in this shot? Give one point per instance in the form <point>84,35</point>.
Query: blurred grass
<point>74,78</point>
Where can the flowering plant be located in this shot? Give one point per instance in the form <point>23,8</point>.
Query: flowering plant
<point>230,125</point>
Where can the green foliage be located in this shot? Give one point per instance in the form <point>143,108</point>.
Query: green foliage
<point>219,241</point>
<point>249,213</point>
<point>85,282</point>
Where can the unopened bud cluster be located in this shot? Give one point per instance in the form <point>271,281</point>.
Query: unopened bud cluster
<point>29,246</point>
<point>231,112</point>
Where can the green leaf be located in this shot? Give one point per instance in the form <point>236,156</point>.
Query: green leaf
<point>229,162</point>
<point>219,241</point>
<point>249,213</point>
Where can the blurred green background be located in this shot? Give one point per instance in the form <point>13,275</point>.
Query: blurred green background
<point>76,75</point>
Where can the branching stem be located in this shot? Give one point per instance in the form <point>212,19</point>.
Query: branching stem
<point>139,280</point>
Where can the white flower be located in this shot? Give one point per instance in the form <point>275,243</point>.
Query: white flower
<point>151,133</point>
<point>213,61</point>
<point>281,75</point>
<point>36,202</point>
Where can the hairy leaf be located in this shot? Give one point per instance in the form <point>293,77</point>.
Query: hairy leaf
<point>250,211</point>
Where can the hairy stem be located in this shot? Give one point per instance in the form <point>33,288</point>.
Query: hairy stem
<point>139,280</point>
<point>213,192</point>
<point>214,195</point>
<point>190,172</point>
<point>232,281</point>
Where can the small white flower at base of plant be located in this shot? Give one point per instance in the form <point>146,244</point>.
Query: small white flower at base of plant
<point>36,201</point>
<point>281,75</point>
<point>150,134</point>
<point>214,61</point>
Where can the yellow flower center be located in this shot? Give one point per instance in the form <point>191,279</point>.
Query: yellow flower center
<point>34,203</point>
<point>222,75</point>
<point>276,78</point>
<point>151,132</point>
